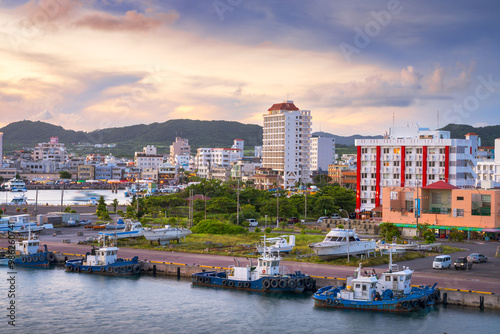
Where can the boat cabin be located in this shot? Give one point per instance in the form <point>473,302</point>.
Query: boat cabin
<point>27,247</point>
<point>268,265</point>
<point>131,226</point>
<point>396,281</point>
<point>340,235</point>
<point>101,256</point>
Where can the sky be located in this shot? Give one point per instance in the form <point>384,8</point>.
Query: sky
<point>359,66</point>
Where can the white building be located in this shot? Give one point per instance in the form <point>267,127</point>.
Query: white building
<point>322,153</point>
<point>257,151</point>
<point>182,160</point>
<point>53,150</point>
<point>148,159</point>
<point>208,158</point>
<point>410,157</point>
<point>488,170</point>
<point>287,143</point>
<point>239,144</point>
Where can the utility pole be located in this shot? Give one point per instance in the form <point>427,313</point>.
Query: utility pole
<point>348,232</point>
<point>62,197</point>
<point>238,204</point>
<point>277,207</point>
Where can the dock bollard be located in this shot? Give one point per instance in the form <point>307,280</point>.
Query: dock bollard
<point>481,302</point>
<point>445,298</point>
<point>178,272</point>
<point>154,270</point>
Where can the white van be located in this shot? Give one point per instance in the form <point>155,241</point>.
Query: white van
<point>253,222</point>
<point>441,262</point>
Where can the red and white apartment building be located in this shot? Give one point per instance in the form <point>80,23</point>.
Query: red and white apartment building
<point>411,157</point>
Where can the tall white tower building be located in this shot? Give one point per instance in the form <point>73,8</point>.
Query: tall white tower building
<point>322,153</point>
<point>287,143</point>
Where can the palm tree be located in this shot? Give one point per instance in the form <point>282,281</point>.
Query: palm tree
<point>115,204</point>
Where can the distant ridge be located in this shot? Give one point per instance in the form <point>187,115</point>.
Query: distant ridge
<point>344,140</point>
<point>200,134</point>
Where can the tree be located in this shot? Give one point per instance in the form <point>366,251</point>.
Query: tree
<point>115,204</point>
<point>64,174</point>
<point>324,205</point>
<point>388,231</point>
<point>221,205</point>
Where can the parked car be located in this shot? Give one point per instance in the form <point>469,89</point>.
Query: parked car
<point>441,262</point>
<point>336,216</point>
<point>352,215</point>
<point>253,222</point>
<point>293,220</point>
<point>320,219</point>
<point>477,257</point>
<point>462,263</point>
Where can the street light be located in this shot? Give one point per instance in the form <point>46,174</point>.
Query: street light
<point>348,232</point>
<point>266,222</point>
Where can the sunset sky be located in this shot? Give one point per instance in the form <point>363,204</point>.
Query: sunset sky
<point>88,65</point>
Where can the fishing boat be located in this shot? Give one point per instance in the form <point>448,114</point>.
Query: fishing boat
<point>18,223</point>
<point>15,185</point>
<point>120,224</point>
<point>267,276</point>
<point>166,234</point>
<point>392,292</point>
<point>405,247</point>
<point>131,230</point>
<point>339,242</point>
<point>27,253</point>
<point>19,200</point>
<point>277,244</point>
<point>104,260</point>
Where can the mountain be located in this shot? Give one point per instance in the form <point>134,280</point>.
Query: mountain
<point>344,140</point>
<point>200,134</point>
<point>488,134</point>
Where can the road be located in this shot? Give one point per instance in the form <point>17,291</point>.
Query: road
<point>483,276</point>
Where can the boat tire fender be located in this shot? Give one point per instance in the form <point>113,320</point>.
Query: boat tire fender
<point>274,282</point>
<point>266,284</point>
<point>432,297</point>
<point>30,259</point>
<point>329,301</point>
<point>89,269</point>
<point>116,270</point>
<point>240,284</point>
<point>77,269</point>
<point>292,283</point>
<point>247,284</point>
<point>110,269</point>
<point>283,283</point>
<point>23,259</point>
<point>336,302</point>
<point>103,269</point>
<point>35,258</point>
<point>308,283</point>
<point>41,257</point>
<point>230,284</point>
<point>405,304</point>
<point>51,257</point>
<point>123,269</point>
<point>224,282</point>
<point>300,283</point>
<point>136,268</point>
<point>207,280</point>
<point>70,268</point>
<point>415,304</point>
<point>129,268</point>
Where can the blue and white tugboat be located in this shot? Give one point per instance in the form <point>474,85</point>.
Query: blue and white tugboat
<point>267,276</point>
<point>392,292</point>
<point>27,253</point>
<point>103,260</point>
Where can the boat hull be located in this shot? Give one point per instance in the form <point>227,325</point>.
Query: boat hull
<point>289,283</point>
<point>165,236</point>
<point>339,250</point>
<point>123,267</point>
<point>41,259</point>
<point>418,299</point>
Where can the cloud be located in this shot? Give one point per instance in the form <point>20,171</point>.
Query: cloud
<point>411,77</point>
<point>43,116</point>
<point>132,21</point>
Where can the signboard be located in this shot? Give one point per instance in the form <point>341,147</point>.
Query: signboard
<point>417,207</point>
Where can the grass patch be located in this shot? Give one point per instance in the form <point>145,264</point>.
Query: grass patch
<point>449,249</point>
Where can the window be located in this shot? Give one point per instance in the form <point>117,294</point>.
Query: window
<point>419,150</point>
<point>460,198</point>
<point>460,212</point>
<point>408,176</point>
<point>386,151</point>
<point>397,151</point>
<point>396,176</point>
<point>432,177</point>
<point>396,163</point>
<point>441,151</point>
<point>418,163</point>
<point>408,163</point>
<point>432,163</point>
<point>373,175</point>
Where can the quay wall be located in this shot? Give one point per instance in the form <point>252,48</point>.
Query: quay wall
<point>448,296</point>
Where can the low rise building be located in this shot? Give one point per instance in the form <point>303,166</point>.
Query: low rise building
<point>265,179</point>
<point>86,172</point>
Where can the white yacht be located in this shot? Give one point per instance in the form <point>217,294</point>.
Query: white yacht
<point>277,244</point>
<point>337,244</point>
<point>15,185</point>
<point>166,234</point>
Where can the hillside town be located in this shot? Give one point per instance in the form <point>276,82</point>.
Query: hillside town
<point>412,174</point>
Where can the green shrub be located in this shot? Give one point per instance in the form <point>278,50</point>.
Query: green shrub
<point>211,226</point>
<point>120,213</point>
<point>268,230</point>
<point>257,230</point>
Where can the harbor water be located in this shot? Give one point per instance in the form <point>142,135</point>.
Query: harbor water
<point>54,301</point>
<point>69,197</point>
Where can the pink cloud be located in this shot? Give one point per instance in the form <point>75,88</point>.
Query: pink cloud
<point>131,21</point>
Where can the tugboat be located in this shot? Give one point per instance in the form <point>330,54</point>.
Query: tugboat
<point>392,292</point>
<point>103,260</point>
<point>27,253</point>
<point>267,276</point>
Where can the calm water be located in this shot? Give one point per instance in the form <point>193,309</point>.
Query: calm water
<point>54,301</point>
<point>70,197</point>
